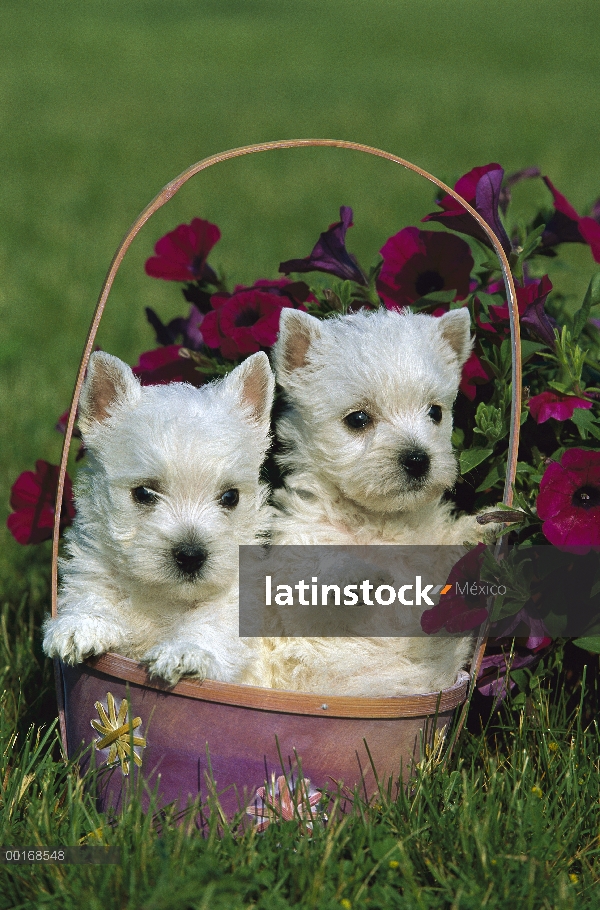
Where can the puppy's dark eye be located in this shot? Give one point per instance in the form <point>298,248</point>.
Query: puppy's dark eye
<point>229,499</point>
<point>357,420</point>
<point>144,496</point>
<point>435,412</point>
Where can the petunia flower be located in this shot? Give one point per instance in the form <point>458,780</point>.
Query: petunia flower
<point>188,331</point>
<point>481,188</point>
<point>330,254</point>
<point>417,263</point>
<point>248,320</point>
<point>164,365</point>
<point>566,226</point>
<point>457,612</point>
<point>569,501</point>
<point>554,404</point>
<point>494,676</point>
<point>531,301</point>
<point>473,375</point>
<point>33,498</point>
<point>181,254</point>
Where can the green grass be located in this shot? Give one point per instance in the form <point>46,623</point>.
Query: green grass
<point>100,105</point>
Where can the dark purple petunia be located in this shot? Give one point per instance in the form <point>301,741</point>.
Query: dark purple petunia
<point>569,501</point>
<point>181,254</point>
<point>187,332</point>
<point>566,226</point>
<point>554,404</point>
<point>417,263</point>
<point>494,673</point>
<point>33,497</point>
<point>481,188</point>
<point>165,365</point>
<point>531,301</point>
<point>330,254</point>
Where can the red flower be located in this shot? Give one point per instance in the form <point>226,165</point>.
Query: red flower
<point>481,188</point>
<point>181,254</point>
<point>248,320</point>
<point>569,501</point>
<point>417,263</point>
<point>32,497</point>
<point>553,404</point>
<point>458,612</point>
<point>164,365</point>
<point>473,375</point>
<point>566,226</point>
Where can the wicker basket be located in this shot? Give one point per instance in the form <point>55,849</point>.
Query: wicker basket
<point>241,735</point>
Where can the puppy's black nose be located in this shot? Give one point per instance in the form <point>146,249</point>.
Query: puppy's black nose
<point>189,557</point>
<point>415,462</point>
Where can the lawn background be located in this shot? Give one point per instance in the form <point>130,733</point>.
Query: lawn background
<point>102,103</point>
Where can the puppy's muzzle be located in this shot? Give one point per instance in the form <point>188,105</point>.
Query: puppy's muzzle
<point>415,462</point>
<point>189,558</point>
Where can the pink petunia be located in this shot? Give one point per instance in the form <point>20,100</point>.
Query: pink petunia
<point>569,501</point>
<point>473,375</point>
<point>164,365</point>
<point>33,498</point>
<point>417,263</point>
<point>566,226</point>
<point>181,254</point>
<point>247,320</point>
<point>458,612</point>
<point>552,404</point>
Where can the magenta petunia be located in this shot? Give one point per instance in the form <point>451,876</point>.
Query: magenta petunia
<point>566,226</point>
<point>164,365</point>
<point>569,501</point>
<point>33,498</point>
<point>553,404</point>
<point>417,263</point>
<point>243,323</point>
<point>458,612</point>
<point>481,187</point>
<point>473,375</point>
<point>181,254</point>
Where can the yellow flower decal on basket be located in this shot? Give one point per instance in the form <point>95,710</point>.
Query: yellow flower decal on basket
<point>116,729</point>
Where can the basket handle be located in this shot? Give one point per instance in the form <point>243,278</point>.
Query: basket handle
<point>169,191</point>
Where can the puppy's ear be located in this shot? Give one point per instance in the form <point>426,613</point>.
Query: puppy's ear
<point>297,331</point>
<point>455,329</point>
<point>253,385</point>
<point>109,383</point>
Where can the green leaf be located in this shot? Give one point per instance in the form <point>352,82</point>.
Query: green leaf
<point>586,423</point>
<point>531,243</point>
<point>458,437</point>
<point>529,348</point>
<point>592,298</point>
<point>495,476</point>
<point>436,297</point>
<point>588,643</point>
<point>470,458</point>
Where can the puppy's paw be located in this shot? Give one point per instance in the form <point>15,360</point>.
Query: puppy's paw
<point>176,659</point>
<point>72,638</point>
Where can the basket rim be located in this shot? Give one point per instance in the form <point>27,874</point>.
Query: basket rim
<point>283,701</point>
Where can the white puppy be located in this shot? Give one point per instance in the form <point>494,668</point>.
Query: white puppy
<point>170,489</point>
<point>366,442</point>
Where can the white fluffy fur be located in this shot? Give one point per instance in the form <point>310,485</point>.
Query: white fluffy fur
<point>347,486</point>
<point>122,589</point>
